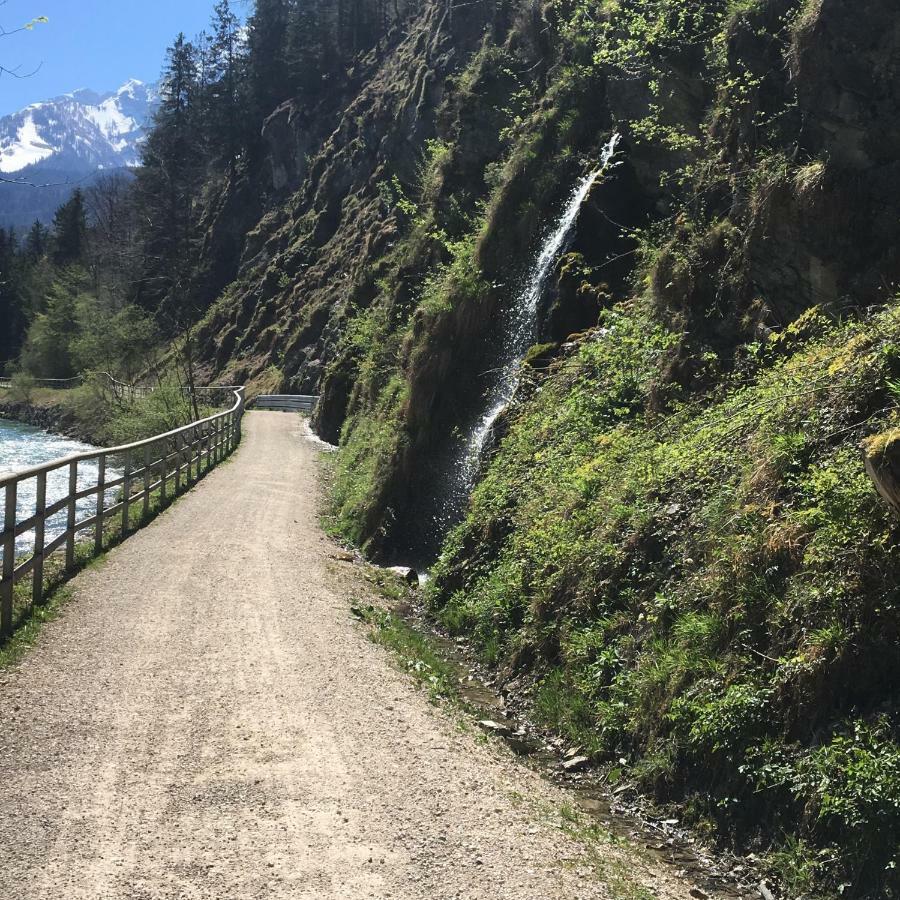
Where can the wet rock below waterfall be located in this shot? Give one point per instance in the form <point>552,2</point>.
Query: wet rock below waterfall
<point>410,576</point>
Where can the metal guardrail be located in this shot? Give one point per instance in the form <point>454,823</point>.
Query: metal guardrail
<point>56,383</point>
<point>166,463</point>
<point>286,402</point>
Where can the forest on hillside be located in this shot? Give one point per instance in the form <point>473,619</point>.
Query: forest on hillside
<point>677,537</point>
<point>124,269</point>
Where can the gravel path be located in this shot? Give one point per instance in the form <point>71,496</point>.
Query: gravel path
<point>206,720</point>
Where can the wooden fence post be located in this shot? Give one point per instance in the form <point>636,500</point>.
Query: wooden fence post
<point>164,470</point>
<point>126,493</point>
<point>147,480</point>
<point>9,558</point>
<point>71,516</point>
<point>40,511</point>
<point>178,445</point>
<point>101,503</point>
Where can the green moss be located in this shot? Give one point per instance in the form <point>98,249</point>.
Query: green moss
<point>370,446</point>
<point>876,445</point>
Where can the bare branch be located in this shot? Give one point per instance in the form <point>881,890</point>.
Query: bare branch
<point>15,73</point>
<point>8,32</point>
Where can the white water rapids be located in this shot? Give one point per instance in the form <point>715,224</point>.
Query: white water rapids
<point>21,447</point>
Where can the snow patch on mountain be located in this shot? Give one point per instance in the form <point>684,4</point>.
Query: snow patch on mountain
<point>79,131</point>
<point>27,149</point>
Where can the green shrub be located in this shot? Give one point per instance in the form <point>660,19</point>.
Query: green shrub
<point>21,388</point>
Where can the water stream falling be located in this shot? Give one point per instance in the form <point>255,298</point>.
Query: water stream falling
<point>520,329</point>
<point>522,325</point>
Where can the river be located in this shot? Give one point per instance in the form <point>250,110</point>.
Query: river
<point>23,446</point>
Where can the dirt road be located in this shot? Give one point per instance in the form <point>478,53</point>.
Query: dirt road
<point>206,720</point>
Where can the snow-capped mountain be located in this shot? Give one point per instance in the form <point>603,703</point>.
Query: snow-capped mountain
<point>78,132</point>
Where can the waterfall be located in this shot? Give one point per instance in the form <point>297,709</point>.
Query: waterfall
<point>519,330</point>
<point>522,326</point>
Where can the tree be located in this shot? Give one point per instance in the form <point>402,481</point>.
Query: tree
<point>48,348</point>
<point>311,51</point>
<point>37,242</point>
<point>267,59</point>
<point>70,231</point>
<point>224,74</point>
<point>169,179</point>
<point>12,304</point>
<point>114,248</point>
<point>120,342</point>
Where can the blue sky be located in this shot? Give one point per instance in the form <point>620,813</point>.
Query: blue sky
<point>96,44</point>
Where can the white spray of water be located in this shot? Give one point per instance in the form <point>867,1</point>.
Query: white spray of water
<point>524,318</point>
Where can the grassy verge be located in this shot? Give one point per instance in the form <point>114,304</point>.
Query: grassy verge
<point>26,635</point>
<point>612,869</point>
<point>92,413</point>
<point>413,650</point>
<point>42,397</point>
<point>424,660</point>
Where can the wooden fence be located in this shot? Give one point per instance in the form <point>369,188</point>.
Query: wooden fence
<point>164,465</point>
<point>120,389</point>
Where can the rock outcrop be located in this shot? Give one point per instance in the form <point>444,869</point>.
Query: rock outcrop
<point>882,458</point>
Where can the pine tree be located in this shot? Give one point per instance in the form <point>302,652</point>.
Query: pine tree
<point>12,312</point>
<point>36,242</point>
<point>224,75</point>
<point>48,349</point>
<point>311,51</point>
<point>170,176</point>
<point>70,231</point>
<point>267,60</point>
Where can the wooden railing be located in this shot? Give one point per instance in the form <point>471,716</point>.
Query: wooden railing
<point>120,389</point>
<point>163,465</point>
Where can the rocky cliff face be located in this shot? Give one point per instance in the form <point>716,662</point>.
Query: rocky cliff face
<point>306,262</point>
<point>384,186</point>
<point>800,185</point>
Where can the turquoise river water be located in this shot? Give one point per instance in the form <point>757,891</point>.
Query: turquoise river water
<point>23,446</point>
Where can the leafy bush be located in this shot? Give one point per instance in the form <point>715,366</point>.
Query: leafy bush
<point>21,387</point>
<point>164,409</point>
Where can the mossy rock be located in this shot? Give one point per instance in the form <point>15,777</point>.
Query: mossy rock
<point>882,458</point>
<point>540,355</point>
